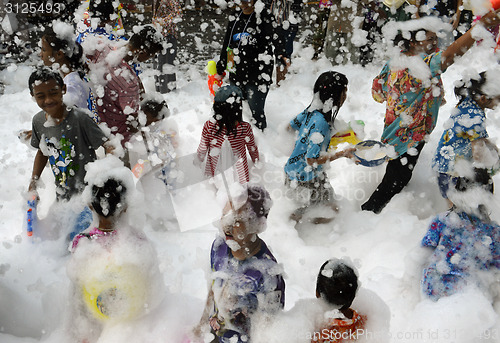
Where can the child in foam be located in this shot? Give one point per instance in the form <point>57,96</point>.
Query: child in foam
<point>247,280</point>
<point>227,128</point>
<point>464,148</point>
<point>107,203</point>
<point>65,138</point>
<point>304,169</point>
<point>464,242</point>
<point>154,147</point>
<point>337,285</point>
<point>116,84</point>
<point>62,52</point>
<point>113,267</point>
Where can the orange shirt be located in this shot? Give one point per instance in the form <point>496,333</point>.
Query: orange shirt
<point>341,330</point>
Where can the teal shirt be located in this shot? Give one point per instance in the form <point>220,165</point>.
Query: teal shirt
<point>412,104</point>
<point>314,134</point>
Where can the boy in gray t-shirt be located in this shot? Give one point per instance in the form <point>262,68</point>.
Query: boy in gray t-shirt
<point>66,138</point>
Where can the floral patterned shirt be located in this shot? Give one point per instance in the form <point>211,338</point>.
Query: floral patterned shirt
<point>412,104</point>
<point>463,244</point>
<point>467,125</point>
<point>340,330</point>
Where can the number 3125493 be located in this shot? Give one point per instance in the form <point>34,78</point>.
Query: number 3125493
<point>34,8</point>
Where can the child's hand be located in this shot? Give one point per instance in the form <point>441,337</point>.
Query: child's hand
<point>344,153</point>
<point>492,18</point>
<point>33,195</point>
<point>32,192</point>
<point>214,324</point>
<point>109,148</point>
<point>25,135</point>
<point>349,153</point>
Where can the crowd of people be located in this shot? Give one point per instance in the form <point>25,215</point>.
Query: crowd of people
<point>92,99</point>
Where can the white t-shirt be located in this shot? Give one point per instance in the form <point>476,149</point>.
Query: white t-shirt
<point>77,91</point>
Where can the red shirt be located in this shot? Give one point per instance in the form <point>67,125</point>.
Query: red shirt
<point>211,143</point>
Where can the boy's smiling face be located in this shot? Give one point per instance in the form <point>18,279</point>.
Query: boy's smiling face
<point>49,97</point>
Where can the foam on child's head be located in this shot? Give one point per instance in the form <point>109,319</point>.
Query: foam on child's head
<point>101,171</point>
<point>228,106</point>
<point>61,38</point>
<point>228,94</point>
<point>474,84</point>
<point>256,202</point>
<point>108,199</point>
<point>328,90</point>
<point>404,30</point>
<point>337,283</point>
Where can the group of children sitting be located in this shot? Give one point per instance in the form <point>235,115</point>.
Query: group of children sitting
<point>69,129</point>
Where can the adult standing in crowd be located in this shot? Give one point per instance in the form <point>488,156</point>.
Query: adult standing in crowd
<point>321,25</point>
<point>166,15</point>
<point>250,45</point>
<point>286,13</point>
<point>341,25</point>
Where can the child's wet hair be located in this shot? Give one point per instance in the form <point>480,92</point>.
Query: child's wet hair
<point>481,179</point>
<point>155,108</point>
<point>471,87</point>
<point>329,86</point>
<point>44,74</point>
<point>403,40</point>
<point>228,108</point>
<point>71,49</point>
<point>337,283</point>
<point>109,199</point>
<point>259,200</point>
<point>147,39</point>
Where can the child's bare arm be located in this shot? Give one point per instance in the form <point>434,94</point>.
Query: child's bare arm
<point>38,165</point>
<point>331,157</point>
<point>462,44</point>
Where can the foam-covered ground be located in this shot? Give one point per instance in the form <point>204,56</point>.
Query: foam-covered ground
<point>34,285</point>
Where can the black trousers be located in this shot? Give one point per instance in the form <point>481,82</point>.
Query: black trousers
<point>397,175</point>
